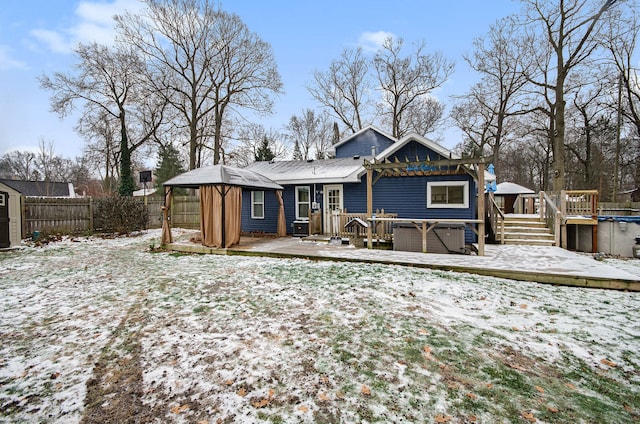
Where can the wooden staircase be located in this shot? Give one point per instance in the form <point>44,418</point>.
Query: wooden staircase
<point>527,230</point>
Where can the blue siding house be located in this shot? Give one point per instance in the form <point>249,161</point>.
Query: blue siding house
<point>405,184</point>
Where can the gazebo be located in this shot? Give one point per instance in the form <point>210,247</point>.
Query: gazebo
<point>220,188</point>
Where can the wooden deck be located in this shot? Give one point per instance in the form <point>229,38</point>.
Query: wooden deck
<point>542,264</point>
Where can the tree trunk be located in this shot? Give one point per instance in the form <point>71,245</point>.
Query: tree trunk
<point>193,141</point>
<point>558,130</point>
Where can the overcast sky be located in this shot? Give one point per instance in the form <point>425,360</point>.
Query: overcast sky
<point>38,37</point>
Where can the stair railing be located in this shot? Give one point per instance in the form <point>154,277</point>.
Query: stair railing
<point>552,216</point>
<point>495,217</point>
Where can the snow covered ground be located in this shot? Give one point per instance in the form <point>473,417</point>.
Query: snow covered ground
<point>94,328</point>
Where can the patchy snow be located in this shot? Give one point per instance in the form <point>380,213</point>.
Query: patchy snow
<point>254,339</point>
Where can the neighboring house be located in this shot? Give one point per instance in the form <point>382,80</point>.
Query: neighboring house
<point>413,189</point>
<point>41,188</point>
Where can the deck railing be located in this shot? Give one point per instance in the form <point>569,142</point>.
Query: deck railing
<point>495,216</point>
<point>579,202</point>
<point>381,231</point>
<point>552,216</point>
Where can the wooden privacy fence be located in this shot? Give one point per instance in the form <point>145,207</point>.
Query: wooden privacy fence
<point>76,215</point>
<point>66,215</point>
<point>185,212</point>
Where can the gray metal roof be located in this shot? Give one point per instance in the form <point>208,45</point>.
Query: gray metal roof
<point>222,174</point>
<point>326,171</point>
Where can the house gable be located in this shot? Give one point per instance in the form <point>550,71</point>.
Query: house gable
<point>415,148</point>
<point>363,143</point>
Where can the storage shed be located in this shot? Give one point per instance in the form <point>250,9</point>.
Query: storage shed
<point>10,216</point>
<point>506,195</point>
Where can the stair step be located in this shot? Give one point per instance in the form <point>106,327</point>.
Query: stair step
<point>530,242</point>
<point>526,229</point>
<point>529,236</point>
<point>525,223</point>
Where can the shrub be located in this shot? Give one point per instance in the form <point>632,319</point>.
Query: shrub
<point>119,215</point>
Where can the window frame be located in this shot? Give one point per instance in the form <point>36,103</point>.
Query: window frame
<point>255,203</point>
<point>298,202</point>
<point>465,195</point>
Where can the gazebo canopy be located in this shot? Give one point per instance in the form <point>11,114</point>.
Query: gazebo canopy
<point>220,188</point>
<point>222,175</point>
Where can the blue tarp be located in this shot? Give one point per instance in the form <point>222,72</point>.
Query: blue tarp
<point>634,219</point>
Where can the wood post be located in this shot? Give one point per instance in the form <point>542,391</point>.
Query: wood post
<point>481,209</point>
<point>369,207</point>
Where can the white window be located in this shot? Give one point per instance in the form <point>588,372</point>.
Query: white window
<point>303,202</point>
<point>257,204</point>
<point>448,194</point>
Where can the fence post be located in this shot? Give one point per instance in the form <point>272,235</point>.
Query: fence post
<point>91,209</point>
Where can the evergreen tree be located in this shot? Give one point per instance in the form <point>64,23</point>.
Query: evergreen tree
<point>126,185</point>
<point>169,165</point>
<point>297,154</point>
<point>264,152</point>
<point>336,133</point>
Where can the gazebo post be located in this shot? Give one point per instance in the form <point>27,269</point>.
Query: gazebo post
<point>224,218</point>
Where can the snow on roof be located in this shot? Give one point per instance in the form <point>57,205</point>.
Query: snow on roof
<point>144,192</point>
<point>342,170</point>
<point>512,188</point>
<point>222,174</point>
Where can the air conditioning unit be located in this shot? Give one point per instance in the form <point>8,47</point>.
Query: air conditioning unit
<point>300,228</point>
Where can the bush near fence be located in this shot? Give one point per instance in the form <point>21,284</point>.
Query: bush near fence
<point>119,215</point>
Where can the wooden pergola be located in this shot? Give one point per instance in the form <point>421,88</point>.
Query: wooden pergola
<point>472,166</point>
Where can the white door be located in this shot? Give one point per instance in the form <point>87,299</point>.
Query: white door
<point>332,206</point>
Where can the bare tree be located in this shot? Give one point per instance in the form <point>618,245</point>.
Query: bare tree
<point>107,83</point>
<point>311,133</point>
<point>474,114</point>
<point>19,165</point>
<point>423,116</point>
<point>621,42</point>
<point>101,149</point>
<point>589,132</point>
<point>502,61</point>
<point>345,88</point>
<point>569,28</point>
<point>406,79</point>
<point>250,139</point>
<point>206,62</point>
